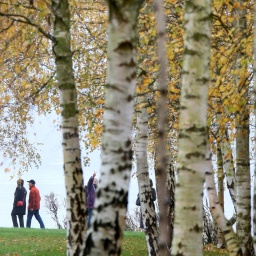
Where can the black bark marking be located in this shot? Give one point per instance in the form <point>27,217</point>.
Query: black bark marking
<point>128,143</point>
<point>69,110</point>
<point>190,52</point>
<point>199,36</point>
<point>129,98</point>
<point>196,129</point>
<point>125,46</point>
<point>89,245</point>
<point>196,155</point>
<point>180,245</point>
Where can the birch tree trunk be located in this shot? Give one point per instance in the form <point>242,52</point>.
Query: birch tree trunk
<point>75,196</point>
<point>108,220</point>
<point>146,201</point>
<point>193,130</point>
<point>254,92</point>
<point>220,192</point>
<point>243,179</point>
<point>228,166</point>
<point>217,212</point>
<point>162,120</point>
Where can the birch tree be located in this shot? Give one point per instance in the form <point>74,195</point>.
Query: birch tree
<point>145,193</point>
<point>254,93</point>
<point>108,220</point>
<point>193,129</point>
<point>220,174</point>
<point>75,196</point>
<point>217,211</point>
<point>243,179</point>
<point>162,120</point>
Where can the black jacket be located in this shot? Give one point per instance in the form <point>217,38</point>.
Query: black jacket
<point>19,195</point>
<point>153,191</point>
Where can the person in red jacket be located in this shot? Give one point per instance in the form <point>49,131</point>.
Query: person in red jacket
<point>34,204</point>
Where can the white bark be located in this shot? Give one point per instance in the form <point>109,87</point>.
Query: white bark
<point>228,166</point>
<point>146,202</point>
<point>193,130</point>
<point>254,89</point>
<point>75,196</point>
<point>243,179</point>
<point>106,233</point>
<point>218,214</point>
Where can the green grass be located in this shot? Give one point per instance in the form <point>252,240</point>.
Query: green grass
<point>21,242</point>
<point>52,242</point>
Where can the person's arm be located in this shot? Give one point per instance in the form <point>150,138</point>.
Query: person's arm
<point>16,196</point>
<point>90,182</point>
<point>32,199</point>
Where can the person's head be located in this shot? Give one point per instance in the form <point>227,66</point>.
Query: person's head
<point>20,182</point>
<point>31,183</point>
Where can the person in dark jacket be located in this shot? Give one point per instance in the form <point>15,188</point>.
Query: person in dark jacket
<point>90,197</point>
<point>34,204</point>
<point>19,209</point>
<point>138,202</point>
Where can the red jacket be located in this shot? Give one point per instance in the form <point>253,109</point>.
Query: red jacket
<point>34,199</point>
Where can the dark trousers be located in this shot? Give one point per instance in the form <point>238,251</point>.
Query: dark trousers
<point>14,221</point>
<point>89,216</point>
<point>37,216</point>
<point>141,219</point>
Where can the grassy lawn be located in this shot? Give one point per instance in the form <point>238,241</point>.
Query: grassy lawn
<point>52,242</point>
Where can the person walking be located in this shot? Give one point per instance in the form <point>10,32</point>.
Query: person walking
<point>19,204</point>
<point>34,204</point>
<point>90,197</point>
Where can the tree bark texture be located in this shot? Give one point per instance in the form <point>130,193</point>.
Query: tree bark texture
<point>193,130</point>
<point>228,166</point>
<point>75,196</point>
<point>220,174</point>
<point>162,121</point>
<point>243,176</point>
<point>254,92</point>
<point>217,212</point>
<point>108,220</point>
<point>145,193</point>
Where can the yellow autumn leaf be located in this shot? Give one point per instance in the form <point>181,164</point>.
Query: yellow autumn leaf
<point>98,128</point>
<point>7,170</point>
<point>223,60</point>
<point>100,101</point>
<point>94,142</point>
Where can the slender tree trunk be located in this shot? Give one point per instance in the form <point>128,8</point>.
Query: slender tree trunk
<point>220,192</point>
<point>162,119</point>
<point>243,183</point>
<point>254,90</point>
<point>108,220</point>
<point>146,201</point>
<point>243,179</point>
<point>228,166</point>
<point>217,212</point>
<point>170,187</point>
<point>69,127</point>
<point>193,130</point>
